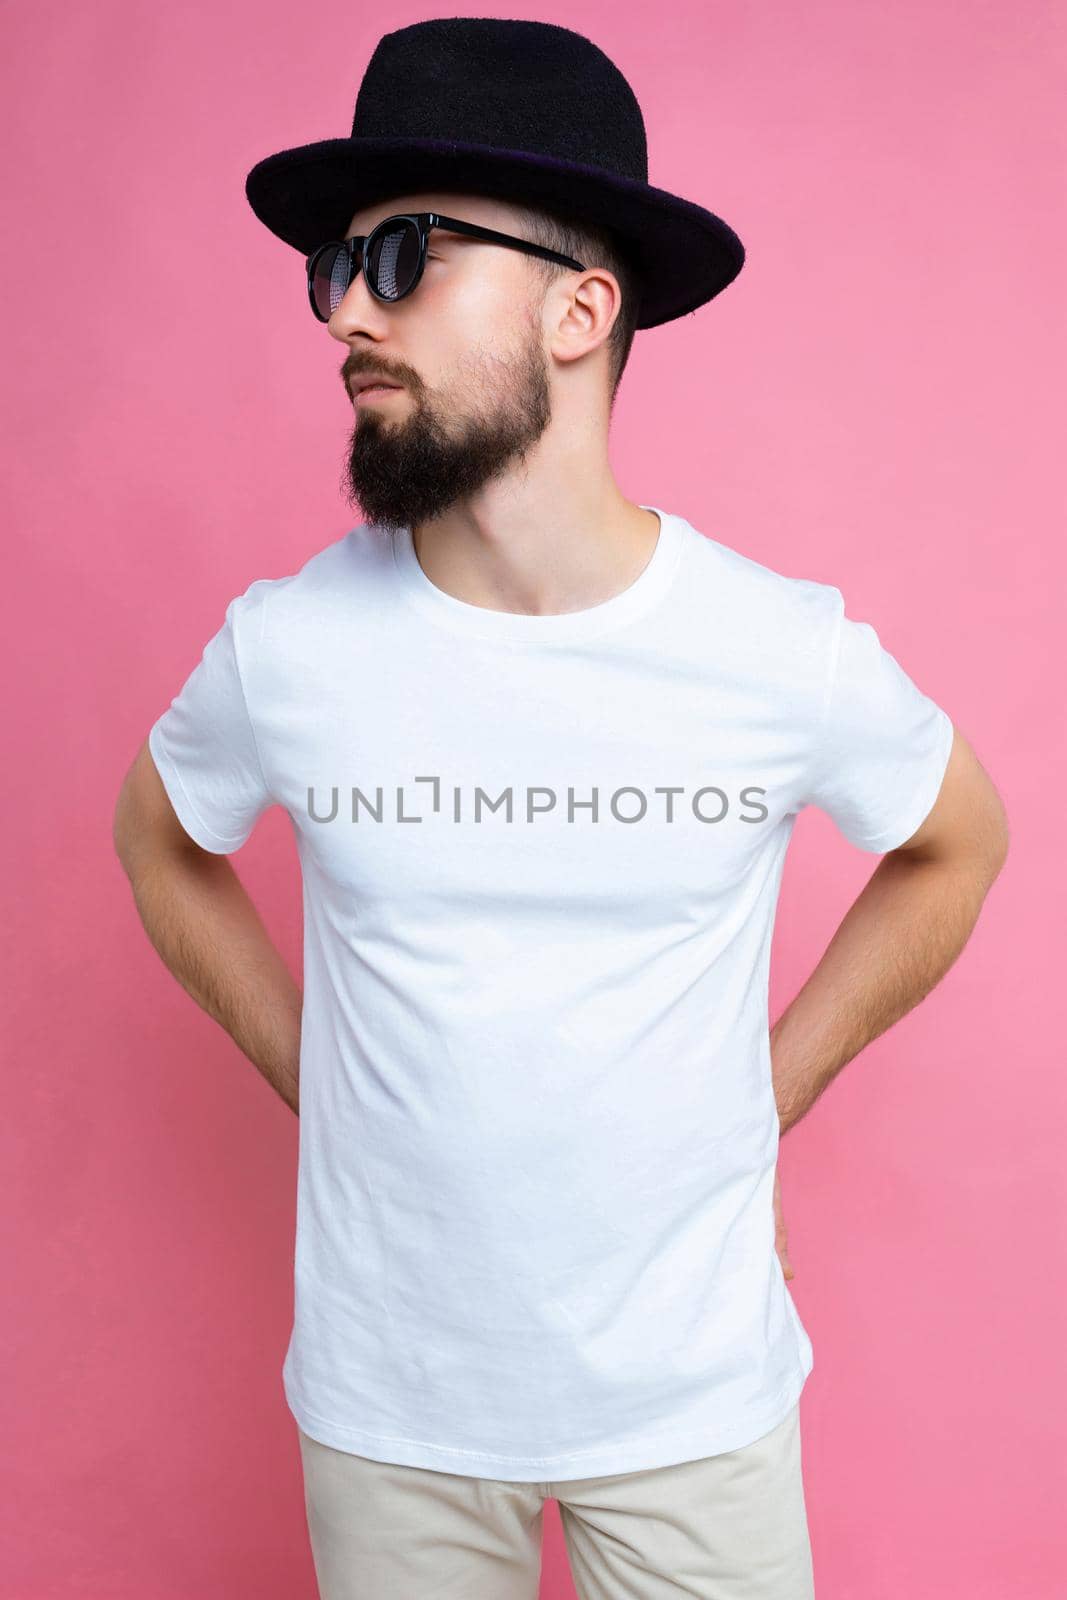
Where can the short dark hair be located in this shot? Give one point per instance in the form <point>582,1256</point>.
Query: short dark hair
<point>594,246</point>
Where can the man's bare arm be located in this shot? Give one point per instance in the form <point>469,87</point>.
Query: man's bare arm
<point>199,917</point>
<point>898,939</point>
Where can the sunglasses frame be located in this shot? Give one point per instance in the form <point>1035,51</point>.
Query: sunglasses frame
<point>425,222</point>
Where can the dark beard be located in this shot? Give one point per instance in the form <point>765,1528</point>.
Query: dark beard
<point>404,472</point>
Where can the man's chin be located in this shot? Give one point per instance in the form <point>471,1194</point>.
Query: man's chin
<point>389,504</point>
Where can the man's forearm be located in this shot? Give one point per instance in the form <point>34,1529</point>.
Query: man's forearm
<point>896,942</point>
<point>201,920</point>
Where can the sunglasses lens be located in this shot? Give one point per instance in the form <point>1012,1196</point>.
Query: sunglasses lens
<point>392,258</point>
<point>329,279</point>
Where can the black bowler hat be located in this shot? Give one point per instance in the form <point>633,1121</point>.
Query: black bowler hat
<point>515,110</point>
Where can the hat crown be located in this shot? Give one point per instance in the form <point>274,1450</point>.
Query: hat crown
<point>531,87</point>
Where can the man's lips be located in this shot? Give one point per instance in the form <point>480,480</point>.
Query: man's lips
<point>374,391</point>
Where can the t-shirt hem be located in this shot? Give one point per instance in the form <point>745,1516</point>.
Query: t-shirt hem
<point>184,810</point>
<point>922,802</point>
<point>664,1449</point>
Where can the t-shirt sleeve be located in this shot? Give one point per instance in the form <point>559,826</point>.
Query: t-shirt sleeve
<point>204,747</point>
<point>883,745</point>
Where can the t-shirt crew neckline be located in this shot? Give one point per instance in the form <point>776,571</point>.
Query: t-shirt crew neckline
<point>560,627</point>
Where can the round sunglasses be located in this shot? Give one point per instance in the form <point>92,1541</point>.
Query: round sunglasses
<point>392,257</point>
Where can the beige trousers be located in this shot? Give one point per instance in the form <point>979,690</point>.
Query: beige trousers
<point>726,1527</point>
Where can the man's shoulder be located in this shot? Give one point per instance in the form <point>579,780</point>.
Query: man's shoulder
<point>332,578</point>
<point>757,594</point>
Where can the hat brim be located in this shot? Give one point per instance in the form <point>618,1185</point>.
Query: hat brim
<point>685,254</point>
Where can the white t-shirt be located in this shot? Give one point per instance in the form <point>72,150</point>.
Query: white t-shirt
<point>541,857</point>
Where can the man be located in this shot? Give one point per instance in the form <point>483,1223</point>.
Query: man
<point>543,750</point>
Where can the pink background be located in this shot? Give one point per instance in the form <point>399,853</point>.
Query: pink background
<point>873,403</point>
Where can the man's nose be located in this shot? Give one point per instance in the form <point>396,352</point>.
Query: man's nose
<point>359,312</point>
